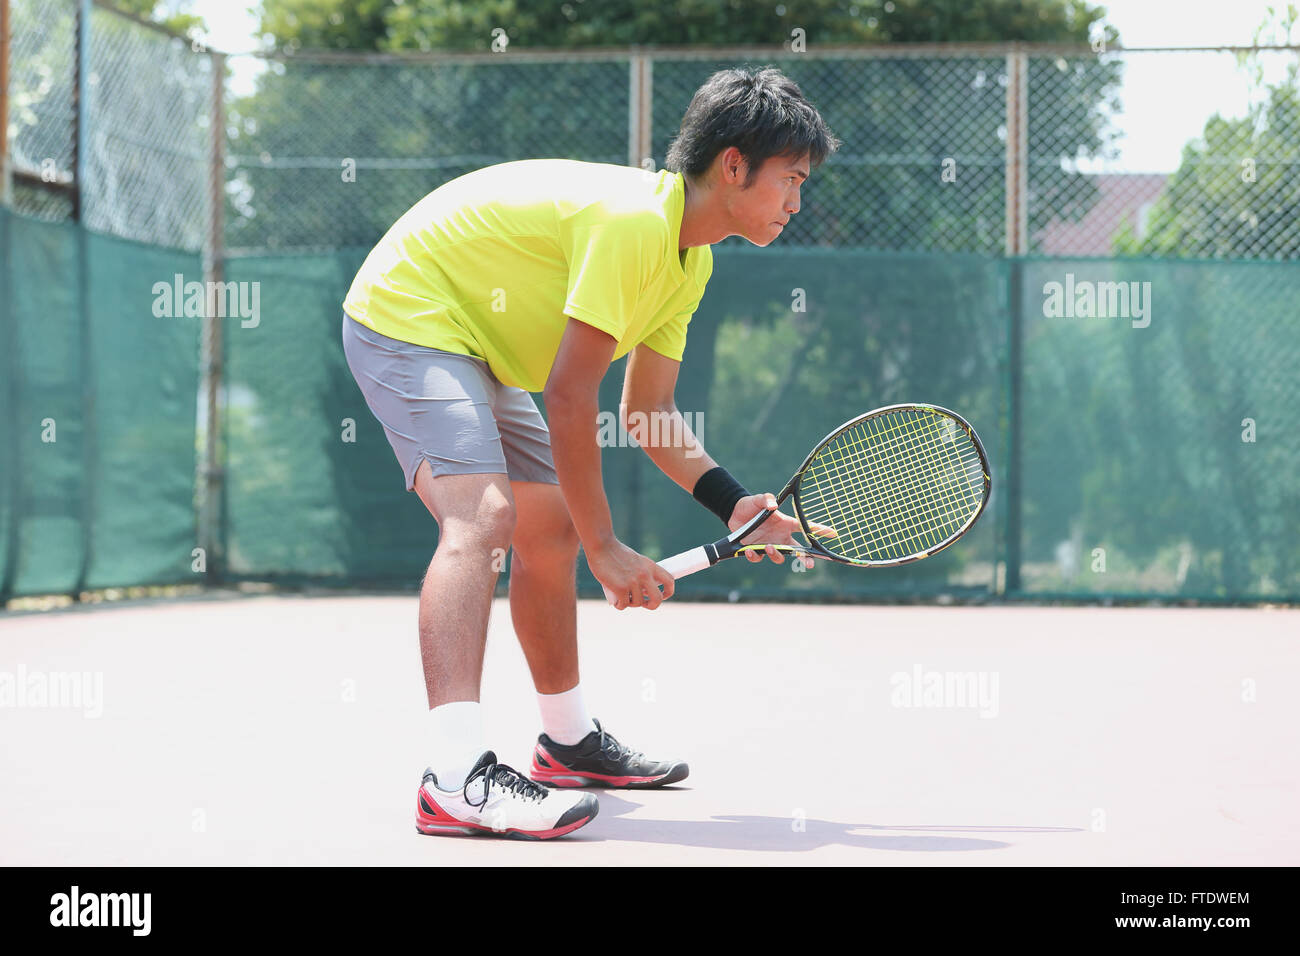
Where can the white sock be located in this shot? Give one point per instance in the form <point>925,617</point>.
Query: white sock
<point>564,716</point>
<point>457,741</point>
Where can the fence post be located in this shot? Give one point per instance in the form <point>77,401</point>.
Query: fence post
<point>7,335</point>
<point>13,469</point>
<point>6,195</point>
<point>212,466</point>
<point>1017,227</point>
<point>640,109</point>
<point>89,489</point>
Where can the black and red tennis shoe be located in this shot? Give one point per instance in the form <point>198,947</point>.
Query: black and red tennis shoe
<point>599,760</point>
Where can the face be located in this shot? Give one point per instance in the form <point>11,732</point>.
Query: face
<point>760,212</point>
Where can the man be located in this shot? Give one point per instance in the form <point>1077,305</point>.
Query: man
<point>534,276</point>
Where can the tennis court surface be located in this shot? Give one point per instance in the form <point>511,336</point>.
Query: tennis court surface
<point>290,730</point>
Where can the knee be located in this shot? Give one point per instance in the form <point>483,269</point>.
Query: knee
<point>490,529</point>
<point>554,541</point>
<point>566,538</point>
<point>496,524</point>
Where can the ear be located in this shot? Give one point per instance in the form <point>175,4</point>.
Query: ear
<point>733,167</point>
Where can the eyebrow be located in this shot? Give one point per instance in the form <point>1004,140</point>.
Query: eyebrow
<point>796,169</point>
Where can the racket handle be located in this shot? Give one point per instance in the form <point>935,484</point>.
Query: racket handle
<point>688,562</point>
<point>679,565</point>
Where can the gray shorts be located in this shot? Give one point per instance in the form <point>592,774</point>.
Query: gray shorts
<point>447,409</point>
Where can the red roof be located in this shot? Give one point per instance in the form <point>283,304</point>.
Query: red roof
<point>1123,197</point>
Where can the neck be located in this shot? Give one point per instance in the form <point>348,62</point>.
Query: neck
<point>702,222</point>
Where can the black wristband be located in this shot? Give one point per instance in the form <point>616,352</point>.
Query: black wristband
<point>719,492</point>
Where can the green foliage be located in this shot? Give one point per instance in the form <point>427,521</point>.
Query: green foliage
<point>166,15</point>
<point>458,25</point>
<point>326,24</point>
<point>899,117</point>
<point>1236,192</point>
<point>989,21</point>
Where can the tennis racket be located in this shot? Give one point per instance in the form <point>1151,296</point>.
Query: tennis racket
<point>895,486</point>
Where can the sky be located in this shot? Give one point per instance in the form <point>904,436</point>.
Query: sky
<point>1166,97</point>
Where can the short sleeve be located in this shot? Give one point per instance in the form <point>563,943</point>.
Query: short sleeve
<point>607,270</point>
<point>669,340</point>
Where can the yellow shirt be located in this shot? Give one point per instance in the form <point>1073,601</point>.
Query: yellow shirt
<point>490,264</point>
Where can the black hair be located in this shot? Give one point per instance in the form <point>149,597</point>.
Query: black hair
<point>760,112</point>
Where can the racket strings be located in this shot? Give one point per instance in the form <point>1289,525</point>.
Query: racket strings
<point>928,501</point>
<point>901,517</point>
<point>870,500</point>
<point>895,485</point>
<point>913,499</point>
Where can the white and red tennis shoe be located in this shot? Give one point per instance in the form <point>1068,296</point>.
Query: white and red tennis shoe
<point>496,800</point>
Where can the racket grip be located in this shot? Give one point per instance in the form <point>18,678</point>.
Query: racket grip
<point>679,565</point>
<point>688,562</point>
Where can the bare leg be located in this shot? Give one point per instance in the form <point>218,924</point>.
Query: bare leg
<point>543,586</point>
<point>475,515</point>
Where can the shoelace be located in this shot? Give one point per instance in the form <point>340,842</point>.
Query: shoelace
<point>507,778</point>
<point>617,748</point>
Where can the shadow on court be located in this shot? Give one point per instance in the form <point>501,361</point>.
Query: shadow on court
<point>778,834</point>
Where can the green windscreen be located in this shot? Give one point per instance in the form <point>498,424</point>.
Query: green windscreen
<point>98,421</point>
<point>1158,453</point>
<point>1138,445</point>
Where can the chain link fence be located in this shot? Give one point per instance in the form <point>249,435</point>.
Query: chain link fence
<point>1227,186</point>
<point>325,151</point>
<point>323,155</point>
<point>42,107</point>
<point>971,179</point>
<point>147,139</point>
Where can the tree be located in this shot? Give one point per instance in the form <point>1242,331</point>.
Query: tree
<point>1237,188</point>
<point>900,118</point>
<point>1228,353</point>
<point>394,25</point>
<point>170,15</point>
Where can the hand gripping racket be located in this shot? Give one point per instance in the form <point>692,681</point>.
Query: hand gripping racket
<point>897,485</point>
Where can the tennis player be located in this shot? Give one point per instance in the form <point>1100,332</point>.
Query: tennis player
<point>534,276</point>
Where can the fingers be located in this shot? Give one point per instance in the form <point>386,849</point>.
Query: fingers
<point>646,591</point>
<point>799,555</point>
<point>618,601</point>
<point>667,580</point>
<point>649,600</point>
<point>651,596</point>
<point>769,551</point>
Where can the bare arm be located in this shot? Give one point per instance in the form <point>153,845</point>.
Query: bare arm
<point>571,408</point>
<point>649,414</point>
